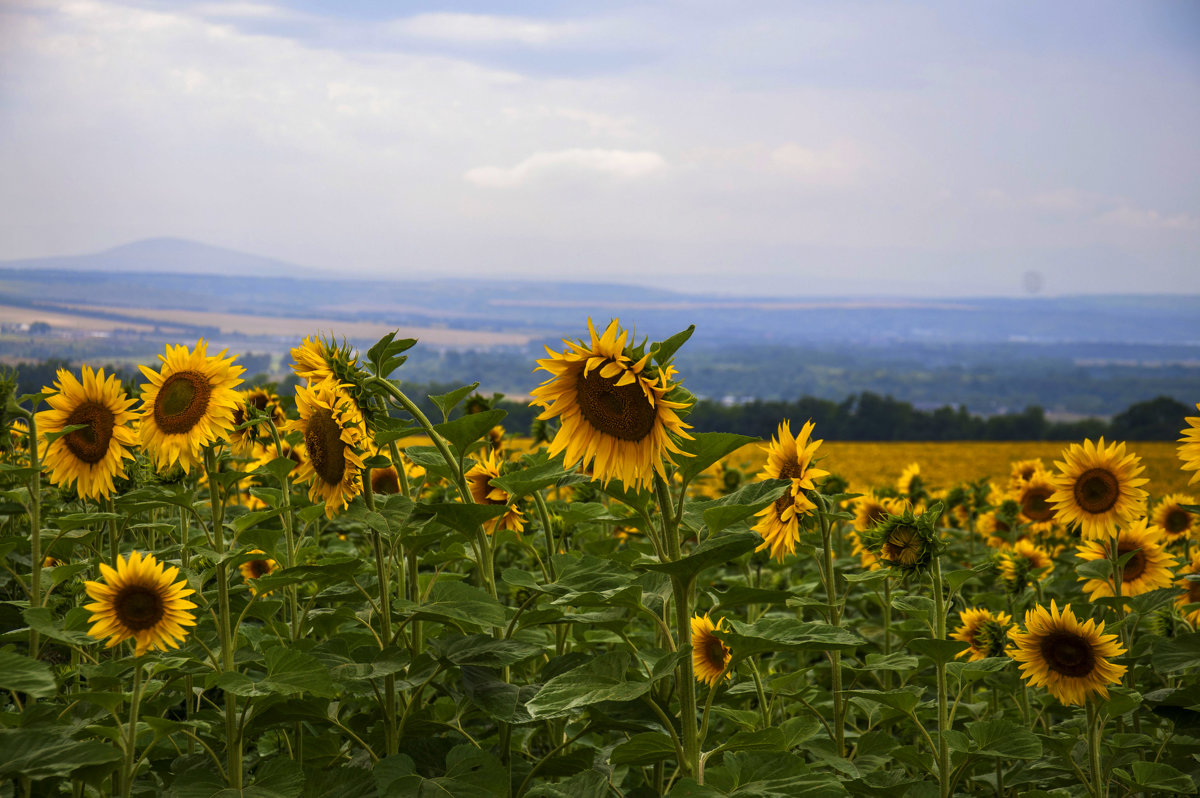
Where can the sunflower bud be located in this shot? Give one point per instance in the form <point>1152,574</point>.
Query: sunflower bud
<point>907,542</point>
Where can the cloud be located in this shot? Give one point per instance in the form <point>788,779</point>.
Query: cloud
<point>1149,219</point>
<point>485,29</point>
<point>620,164</point>
<point>835,164</point>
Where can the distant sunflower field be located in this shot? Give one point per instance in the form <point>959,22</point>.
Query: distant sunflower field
<point>206,596</point>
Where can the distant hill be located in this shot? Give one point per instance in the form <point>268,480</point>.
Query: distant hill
<point>170,256</point>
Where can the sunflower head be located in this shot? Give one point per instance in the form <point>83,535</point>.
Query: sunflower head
<point>1147,568</point>
<point>1069,658</point>
<point>90,457</point>
<point>479,479</point>
<point>1173,520</point>
<point>139,599</point>
<point>1190,583</point>
<point>188,404</point>
<point>333,432</point>
<point>710,655</point>
<point>1098,487</point>
<point>1022,563</point>
<point>1189,450</point>
<point>906,542</point>
<point>985,632</point>
<point>257,404</point>
<point>788,457</point>
<point>1033,496</point>
<point>318,359</point>
<point>257,568</point>
<point>910,485</point>
<point>617,407</point>
<point>1021,471</point>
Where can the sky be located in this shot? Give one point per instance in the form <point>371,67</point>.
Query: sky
<point>753,148</point>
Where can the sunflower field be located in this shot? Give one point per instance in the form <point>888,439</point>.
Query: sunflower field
<point>217,591</point>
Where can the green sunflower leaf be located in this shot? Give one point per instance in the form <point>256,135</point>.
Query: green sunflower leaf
<point>707,448</point>
<point>41,753</point>
<point>463,431</point>
<point>663,351</point>
<point>644,749</point>
<point>937,650</point>
<point>785,634</point>
<point>713,551</point>
<point>25,675</point>
<point>602,678</point>
<point>1004,739</point>
<point>446,402</point>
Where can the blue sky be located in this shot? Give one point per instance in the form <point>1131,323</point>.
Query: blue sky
<point>787,148</point>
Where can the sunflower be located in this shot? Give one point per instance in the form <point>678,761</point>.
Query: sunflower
<point>709,654</point>
<point>866,557</point>
<point>265,402</point>
<point>1098,487</point>
<point>254,569</point>
<point>1068,658</point>
<point>318,359</point>
<point>788,457</point>
<point>1191,591</point>
<point>1023,560</point>
<point>984,631</point>
<point>1175,522</point>
<point>18,443</point>
<point>906,541</point>
<point>333,431</point>
<point>615,416</point>
<point>1033,496</point>
<point>1022,471</point>
<point>187,405</point>
<point>92,456</point>
<point>1148,569</point>
<point>139,599</point>
<point>479,479</point>
<point>910,485</point>
<point>1189,452</point>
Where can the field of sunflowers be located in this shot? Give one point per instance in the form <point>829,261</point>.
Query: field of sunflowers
<point>204,595</point>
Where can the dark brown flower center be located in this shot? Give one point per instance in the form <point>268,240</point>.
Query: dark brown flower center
<point>1137,563</point>
<point>1097,490</point>
<point>90,444</point>
<point>385,480</point>
<point>138,607</point>
<point>903,545</point>
<point>714,652</point>
<point>326,448</point>
<point>1193,591</point>
<point>181,402</point>
<point>1068,653</point>
<point>1035,505</point>
<point>621,411</point>
<point>876,514</point>
<point>258,568</point>
<point>1177,521</point>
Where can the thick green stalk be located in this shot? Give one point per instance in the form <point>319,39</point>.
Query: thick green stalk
<point>391,743</point>
<point>835,619</point>
<point>939,612</point>
<point>35,528</point>
<point>551,547</point>
<point>131,735</point>
<point>233,742</point>
<point>1094,725</point>
<point>289,532</point>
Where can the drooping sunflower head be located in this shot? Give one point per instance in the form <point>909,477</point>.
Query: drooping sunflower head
<point>788,457</point>
<point>188,404</point>
<point>1189,451</point>
<point>1069,658</point>
<point>709,654</point>
<point>479,479</point>
<point>333,432</point>
<point>1098,487</point>
<point>906,542</point>
<point>257,568</point>
<point>1024,562</point>
<point>910,485</point>
<point>139,599</point>
<point>254,403</point>
<point>92,456</point>
<point>1149,567</point>
<point>1175,522</point>
<point>617,408</point>
<point>1191,591</point>
<point>986,633</point>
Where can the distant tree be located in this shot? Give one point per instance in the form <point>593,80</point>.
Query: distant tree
<point>1159,419</point>
<point>39,328</point>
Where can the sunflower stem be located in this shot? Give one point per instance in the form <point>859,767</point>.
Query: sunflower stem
<point>385,621</point>
<point>939,611</point>
<point>131,732</point>
<point>685,677</point>
<point>35,528</point>
<point>233,742</point>
<point>1094,728</point>
<point>835,619</point>
<point>551,548</point>
<point>289,531</point>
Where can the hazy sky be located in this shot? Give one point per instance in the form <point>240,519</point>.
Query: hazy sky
<point>784,148</point>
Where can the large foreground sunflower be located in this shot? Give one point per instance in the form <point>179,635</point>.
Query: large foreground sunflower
<point>984,631</point>
<point>479,481</point>
<point>1189,452</point>
<point>188,404</point>
<point>1148,569</point>
<point>1068,658</point>
<point>92,456</point>
<point>139,599</point>
<point>332,428</point>
<point>709,654</point>
<point>615,416</point>
<point>788,457</point>
<point>1098,487</point>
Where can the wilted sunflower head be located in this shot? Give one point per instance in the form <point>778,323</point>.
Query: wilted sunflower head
<point>907,542</point>
<point>616,405</point>
<point>1067,657</point>
<point>1189,452</point>
<point>1098,488</point>
<point>479,478</point>
<point>1175,522</point>
<point>1148,567</point>
<point>188,404</point>
<point>985,632</point>
<point>709,654</point>
<point>139,599</point>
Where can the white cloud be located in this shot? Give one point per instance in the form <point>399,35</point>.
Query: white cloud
<point>1149,219</point>
<point>237,10</point>
<point>621,164</point>
<point>834,164</point>
<point>485,29</point>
